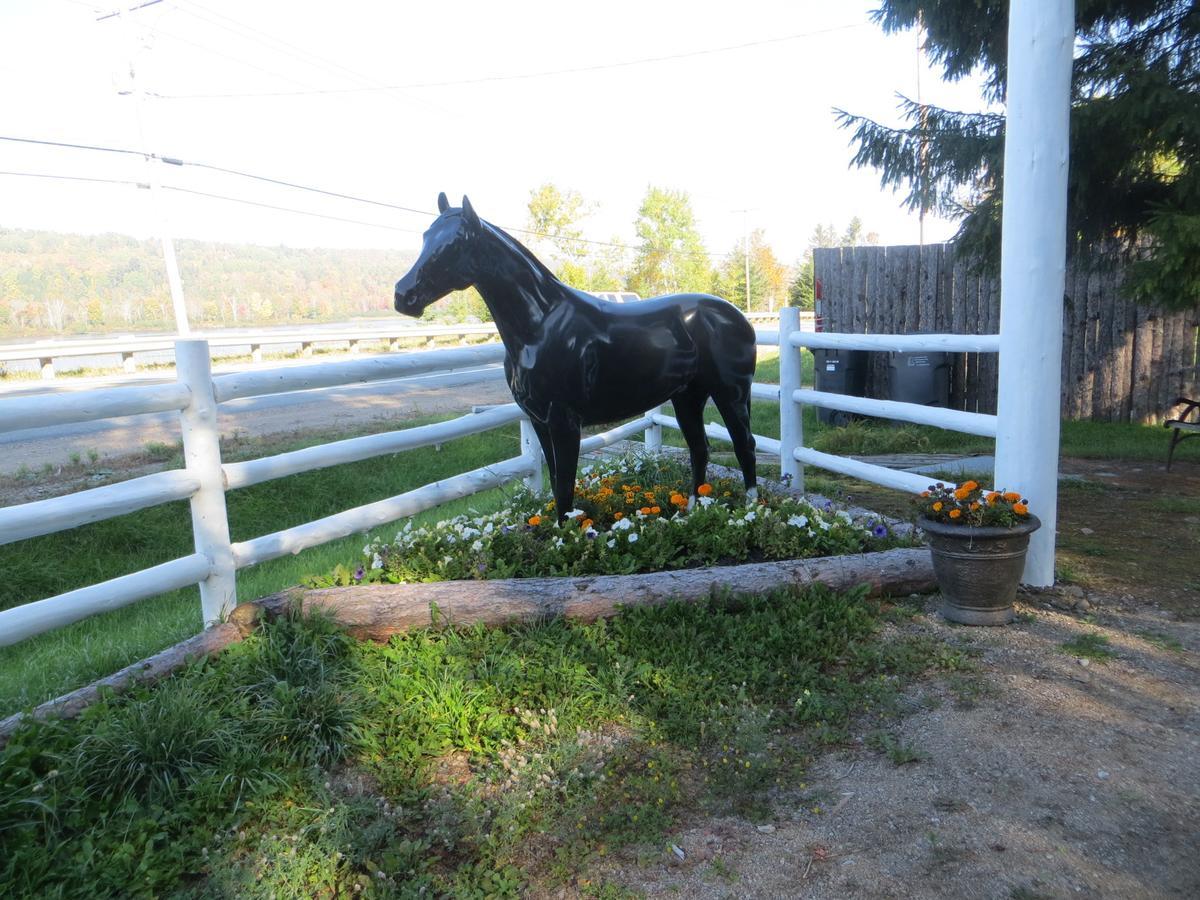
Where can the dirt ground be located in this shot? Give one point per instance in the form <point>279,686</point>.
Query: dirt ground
<point>1041,774</point>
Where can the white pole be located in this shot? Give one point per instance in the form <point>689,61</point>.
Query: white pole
<point>531,452</point>
<point>791,425</point>
<point>202,457</point>
<point>654,433</point>
<point>1041,36</point>
<point>156,198</point>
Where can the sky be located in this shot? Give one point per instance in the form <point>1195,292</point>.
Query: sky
<point>729,102</point>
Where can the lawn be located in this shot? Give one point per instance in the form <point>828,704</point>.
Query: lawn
<point>477,763</point>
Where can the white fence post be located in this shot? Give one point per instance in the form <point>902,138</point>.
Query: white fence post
<point>654,433</point>
<point>791,414</point>
<point>202,456</point>
<point>1041,38</point>
<point>531,451</point>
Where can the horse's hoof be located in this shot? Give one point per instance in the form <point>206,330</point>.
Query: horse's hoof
<point>752,495</point>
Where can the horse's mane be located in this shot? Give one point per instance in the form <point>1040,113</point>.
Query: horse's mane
<point>524,251</point>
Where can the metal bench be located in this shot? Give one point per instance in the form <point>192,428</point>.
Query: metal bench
<point>1184,427</point>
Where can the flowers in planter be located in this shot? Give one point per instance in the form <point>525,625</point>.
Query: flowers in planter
<point>633,516</point>
<point>969,504</point>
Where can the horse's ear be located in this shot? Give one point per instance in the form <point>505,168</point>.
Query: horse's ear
<point>443,203</point>
<point>469,214</point>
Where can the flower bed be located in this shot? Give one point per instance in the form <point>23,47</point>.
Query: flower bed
<point>632,516</point>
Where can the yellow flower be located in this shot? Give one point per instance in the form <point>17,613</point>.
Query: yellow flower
<point>937,507</point>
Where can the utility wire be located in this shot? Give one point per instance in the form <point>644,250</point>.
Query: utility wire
<point>175,161</point>
<point>183,190</point>
<point>521,76</point>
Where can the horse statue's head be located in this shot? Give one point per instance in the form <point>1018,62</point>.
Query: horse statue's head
<point>445,263</point>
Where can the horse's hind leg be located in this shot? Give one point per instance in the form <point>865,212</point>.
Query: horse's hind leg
<point>689,413</point>
<point>735,410</point>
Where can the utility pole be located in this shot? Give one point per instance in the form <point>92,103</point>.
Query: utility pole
<point>152,179</point>
<point>746,252</point>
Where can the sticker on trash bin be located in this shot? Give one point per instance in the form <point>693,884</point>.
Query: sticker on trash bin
<point>918,360</point>
<point>830,367</point>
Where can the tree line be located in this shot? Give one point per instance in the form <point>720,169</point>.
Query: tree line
<point>55,283</point>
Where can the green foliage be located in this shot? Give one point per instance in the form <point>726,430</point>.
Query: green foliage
<point>670,256</point>
<point>592,735</point>
<point>767,275</point>
<point>1092,645</point>
<point>44,274</point>
<point>1135,136</point>
<point>631,517</point>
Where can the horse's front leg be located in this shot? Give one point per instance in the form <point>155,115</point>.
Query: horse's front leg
<point>542,430</point>
<point>565,432</point>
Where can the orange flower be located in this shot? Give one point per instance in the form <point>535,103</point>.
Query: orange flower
<point>974,505</point>
<point>619,515</point>
<point>1020,509</point>
<point>585,524</point>
<point>535,520</point>
<point>704,490</point>
<point>678,499</point>
<point>924,493</point>
<point>992,497</point>
<point>655,510</point>
<point>1012,497</point>
<point>962,493</point>
<point>937,507</point>
<point>649,495</point>
<point>970,485</point>
<point>645,510</point>
<point>955,513</point>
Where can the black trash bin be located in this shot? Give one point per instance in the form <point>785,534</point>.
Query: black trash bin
<point>919,377</point>
<point>840,372</point>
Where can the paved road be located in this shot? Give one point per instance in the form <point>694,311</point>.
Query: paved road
<point>326,408</point>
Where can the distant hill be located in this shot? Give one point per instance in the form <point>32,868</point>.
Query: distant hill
<point>52,283</point>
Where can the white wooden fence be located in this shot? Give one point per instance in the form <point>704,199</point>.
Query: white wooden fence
<point>205,479</point>
<point>196,395</point>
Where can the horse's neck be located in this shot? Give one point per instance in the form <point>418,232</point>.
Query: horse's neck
<point>519,291</point>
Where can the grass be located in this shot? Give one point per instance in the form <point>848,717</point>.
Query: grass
<point>1092,645</point>
<point>471,763</point>
<point>51,664</point>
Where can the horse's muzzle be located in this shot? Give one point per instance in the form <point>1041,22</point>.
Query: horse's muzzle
<point>407,303</point>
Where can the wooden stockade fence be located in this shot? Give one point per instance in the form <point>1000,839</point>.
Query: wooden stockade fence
<point>1122,362</point>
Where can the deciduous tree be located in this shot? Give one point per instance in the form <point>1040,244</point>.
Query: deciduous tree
<point>670,255</point>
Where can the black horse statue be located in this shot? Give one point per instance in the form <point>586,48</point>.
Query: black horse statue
<point>574,360</point>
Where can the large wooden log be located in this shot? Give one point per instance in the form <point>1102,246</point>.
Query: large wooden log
<point>379,611</point>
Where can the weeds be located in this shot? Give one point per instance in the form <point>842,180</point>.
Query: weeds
<point>1092,645</point>
<point>458,762</point>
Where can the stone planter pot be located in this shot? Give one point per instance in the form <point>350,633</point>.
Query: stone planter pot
<point>978,569</point>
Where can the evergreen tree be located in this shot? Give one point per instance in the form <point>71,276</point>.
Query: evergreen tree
<point>1135,134</point>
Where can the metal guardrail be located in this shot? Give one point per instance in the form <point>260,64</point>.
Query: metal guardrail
<point>126,348</point>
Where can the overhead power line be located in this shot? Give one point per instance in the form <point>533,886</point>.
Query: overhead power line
<point>176,161</point>
<point>522,76</point>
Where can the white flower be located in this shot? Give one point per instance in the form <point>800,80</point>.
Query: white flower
<point>558,542</point>
<point>612,543</point>
<point>633,538</point>
<point>751,515</point>
<point>824,526</point>
<point>706,501</point>
<point>477,546</point>
<point>575,514</point>
<point>591,532</point>
<point>798,521</point>
<point>376,561</point>
<point>622,524</point>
